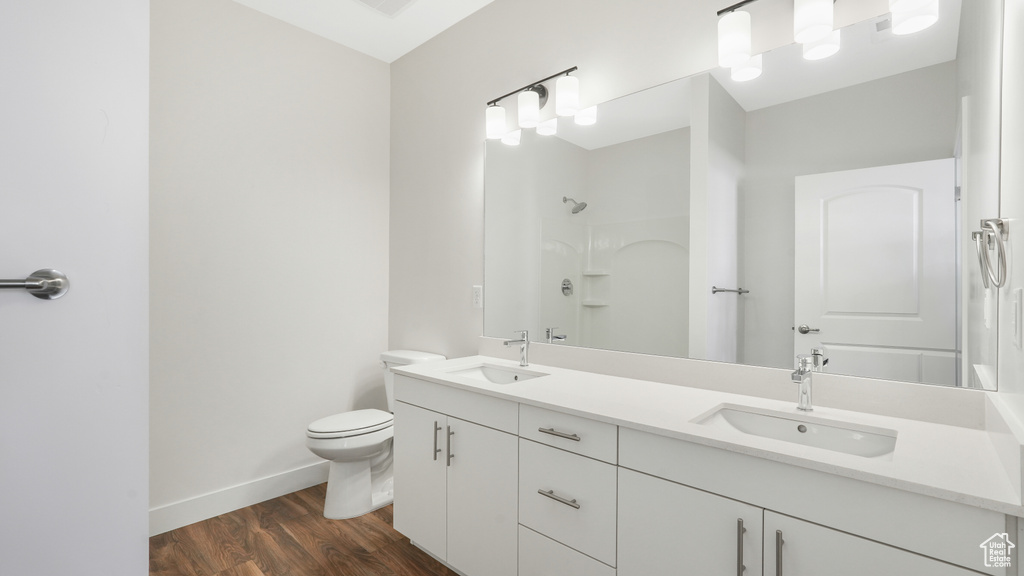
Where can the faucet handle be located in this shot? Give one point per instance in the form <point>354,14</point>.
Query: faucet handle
<point>818,355</point>
<point>524,334</point>
<point>805,361</point>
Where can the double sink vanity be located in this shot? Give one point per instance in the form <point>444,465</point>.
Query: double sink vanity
<point>505,470</point>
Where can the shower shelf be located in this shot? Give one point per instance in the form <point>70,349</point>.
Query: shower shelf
<point>594,303</point>
<point>596,273</point>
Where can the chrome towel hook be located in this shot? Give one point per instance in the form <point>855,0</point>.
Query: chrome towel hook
<point>47,284</point>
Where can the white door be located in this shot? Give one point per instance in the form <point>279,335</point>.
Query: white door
<point>421,477</point>
<point>810,550</point>
<point>483,497</point>
<point>876,271</point>
<point>669,529</point>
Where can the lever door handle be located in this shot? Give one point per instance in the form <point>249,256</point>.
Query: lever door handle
<point>805,329</point>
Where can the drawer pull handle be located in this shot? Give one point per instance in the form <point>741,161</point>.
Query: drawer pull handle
<point>551,494</point>
<point>554,432</point>
<point>448,445</point>
<point>778,552</point>
<point>739,547</point>
<point>436,449</point>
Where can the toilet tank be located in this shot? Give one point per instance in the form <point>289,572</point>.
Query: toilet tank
<point>401,358</point>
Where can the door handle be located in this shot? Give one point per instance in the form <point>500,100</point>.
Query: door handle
<point>448,445</point>
<point>739,547</point>
<point>436,449</point>
<point>778,552</point>
<point>805,329</point>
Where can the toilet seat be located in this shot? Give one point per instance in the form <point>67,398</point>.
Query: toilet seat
<point>349,424</point>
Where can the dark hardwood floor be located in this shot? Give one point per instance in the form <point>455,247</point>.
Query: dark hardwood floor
<point>288,536</point>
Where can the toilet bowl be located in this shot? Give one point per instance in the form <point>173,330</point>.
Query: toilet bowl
<point>359,446</point>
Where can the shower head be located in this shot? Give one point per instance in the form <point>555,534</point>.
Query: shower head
<point>577,206</point>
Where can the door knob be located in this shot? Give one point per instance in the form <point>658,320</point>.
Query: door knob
<point>805,329</point>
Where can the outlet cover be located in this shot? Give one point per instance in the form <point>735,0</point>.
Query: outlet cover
<point>478,296</point>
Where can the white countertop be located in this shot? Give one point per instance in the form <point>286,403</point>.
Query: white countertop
<point>942,461</point>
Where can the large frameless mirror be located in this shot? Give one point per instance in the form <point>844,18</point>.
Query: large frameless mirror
<point>826,204</point>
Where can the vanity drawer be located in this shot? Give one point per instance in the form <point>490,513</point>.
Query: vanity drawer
<point>577,507</point>
<point>542,556</point>
<point>573,433</point>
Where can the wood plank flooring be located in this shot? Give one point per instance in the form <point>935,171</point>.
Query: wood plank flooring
<point>288,536</point>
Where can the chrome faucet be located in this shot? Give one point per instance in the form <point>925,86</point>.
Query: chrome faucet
<point>807,364</point>
<point>524,346</point>
<point>551,337</point>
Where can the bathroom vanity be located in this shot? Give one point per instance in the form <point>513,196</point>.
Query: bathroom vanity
<point>537,471</point>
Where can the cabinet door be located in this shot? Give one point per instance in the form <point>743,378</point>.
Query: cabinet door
<point>420,477</point>
<point>670,529</point>
<point>482,500</point>
<point>811,550</point>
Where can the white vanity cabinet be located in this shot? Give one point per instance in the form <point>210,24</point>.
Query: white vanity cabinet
<point>456,480</point>
<point>679,503</point>
<point>667,528</point>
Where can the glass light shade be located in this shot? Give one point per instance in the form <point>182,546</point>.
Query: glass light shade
<point>812,20</point>
<point>733,38</point>
<point>748,70</point>
<point>529,109</point>
<point>823,48</point>
<point>512,138</point>
<point>548,127</point>
<point>906,5</point>
<point>915,20</point>
<point>495,122</point>
<point>567,95</point>
<point>587,116</point>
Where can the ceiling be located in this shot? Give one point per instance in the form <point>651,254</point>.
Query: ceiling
<point>354,23</point>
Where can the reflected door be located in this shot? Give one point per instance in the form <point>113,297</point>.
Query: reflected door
<point>876,271</point>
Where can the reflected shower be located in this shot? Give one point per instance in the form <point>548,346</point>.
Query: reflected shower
<point>577,206</point>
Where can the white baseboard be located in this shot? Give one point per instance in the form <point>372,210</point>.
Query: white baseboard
<point>182,513</point>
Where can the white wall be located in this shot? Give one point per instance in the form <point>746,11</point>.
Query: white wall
<point>439,92</point>
<point>269,251</point>
<point>905,118</point>
<point>73,372</point>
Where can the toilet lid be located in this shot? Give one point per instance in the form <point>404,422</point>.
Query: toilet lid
<point>354,423</point>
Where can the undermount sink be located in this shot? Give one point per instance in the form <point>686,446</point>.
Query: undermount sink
<point>496,374</point>
<point>855,439</point>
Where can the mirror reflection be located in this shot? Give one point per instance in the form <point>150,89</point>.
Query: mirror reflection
<point>827,189</point>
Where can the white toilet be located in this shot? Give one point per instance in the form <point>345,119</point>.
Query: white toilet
<point>358,444</point>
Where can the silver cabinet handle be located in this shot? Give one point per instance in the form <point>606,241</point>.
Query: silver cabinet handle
<point>449,445</point>
<point>436,449</point>
<point>778,552</point>
<point>551,494</point>
<point>554,432</point>
<point>739,547</point>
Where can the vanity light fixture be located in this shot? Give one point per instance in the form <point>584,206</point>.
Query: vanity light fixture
<point>733,36</point>
<point>586,116</point>
<point>812,20</point>
<point>748,70</point>
<point>567,95</point>
<point>530,100</point>
<point>909,16</point>
<point>495,121</point>
<point>529,106</point>
<point>820,49</point>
